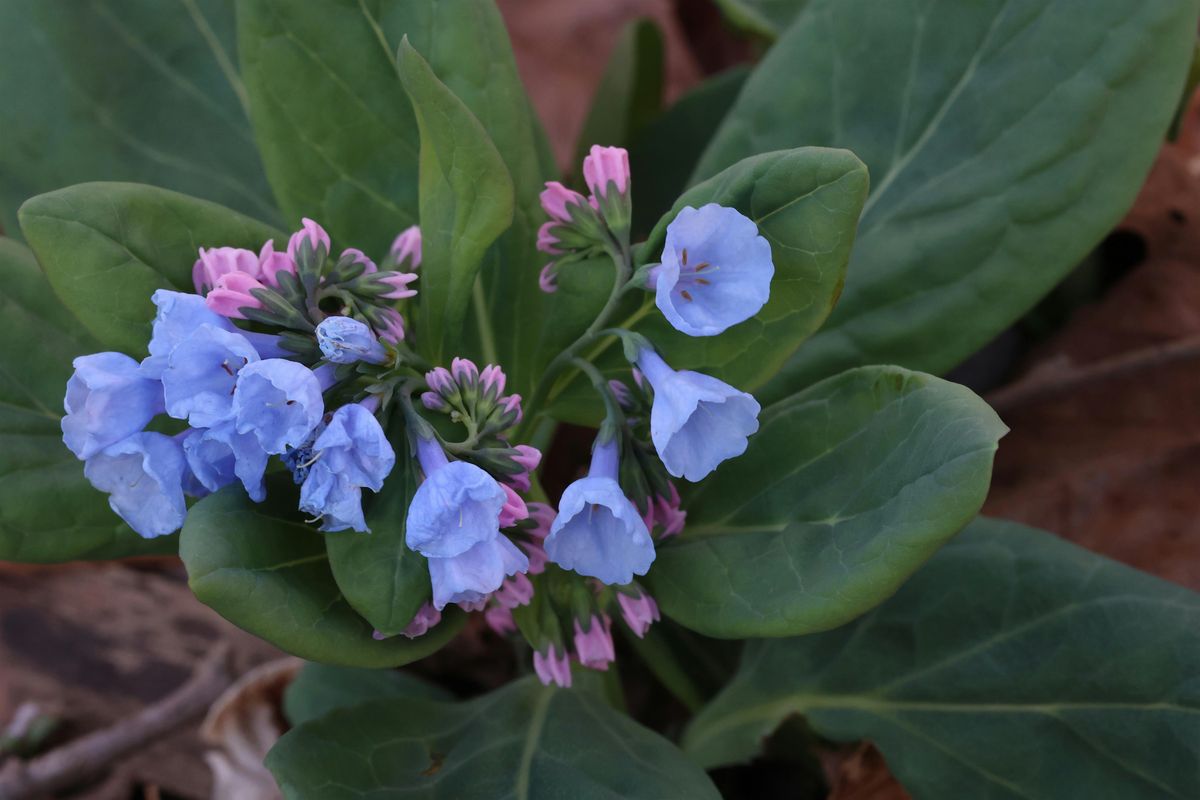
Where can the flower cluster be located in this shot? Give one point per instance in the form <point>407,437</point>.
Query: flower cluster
<point>296,355</point>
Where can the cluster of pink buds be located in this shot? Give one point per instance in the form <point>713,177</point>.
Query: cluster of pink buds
<point>472,396</point>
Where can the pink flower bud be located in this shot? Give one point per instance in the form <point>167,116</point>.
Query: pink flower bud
<point>464,371</point>
<point>407,248</point>
<point>669,513</point>
<point>553,667</point>
<point>360,257</point>
<point>500,620</point>
<point>605,165</point>
<point>440,380</point>
<point>547,280</point>
<point>556,200</point>
<point>621,392</point>
<point>595,645</point>
<point>270,264</point>
<point>547,242</point>
<point>516,591</point>
<point>398,281</point>
<point>311,231</point>
<point>426,618</point>
<point>434,401</point>
<point>511,407</point>
<point>473,605</point>
<point>232,294</point>
<point>514,509</point>
<point>537,556</point>
<point>492,380</point>
<point>543,515</point>
<point>392,328</point>
<point>216,262</point>
<point>639,612</point>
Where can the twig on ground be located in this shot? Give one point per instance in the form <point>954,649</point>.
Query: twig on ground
<point>92,754</point>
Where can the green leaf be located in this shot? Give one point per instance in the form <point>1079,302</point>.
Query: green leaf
<point>379,576</point>
<point>842,494</point>
<point>630,93</point>
<point>1004,138</point>
<point>522,741</point>
<point>1012,665</point>
<point>107,246</point>
<point>320,688</point>
<point>264,570</point>
<point>48,510</point>
<point>763,17</point>
<point>136,90</point>
<point>466,202</point>
<point>806,204</point>
<point>664,153</point>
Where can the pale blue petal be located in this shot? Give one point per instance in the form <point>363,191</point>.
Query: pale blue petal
<point>143,475</point>
<point>472,575</point>
<point>279,402</point>
<point>599,533</point>
<point>455,508</point>
<point>201,373</point>
<point>178,315</point>
<point>107,400</point>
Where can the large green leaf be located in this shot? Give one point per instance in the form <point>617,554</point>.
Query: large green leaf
<point>48,510</point>
<point>340,140</point>
<point>844,491</point>
<point>466,203</point>
<point>806,203</point>
<point>1004,139</point>
<point>107,246</point>
<point>264,570</point>
<point>764,17</point>
<point>379,576</point>
<point>525,741</point>
<point>137,90</point>
<point>319,688</point>
<point>1013,665</point>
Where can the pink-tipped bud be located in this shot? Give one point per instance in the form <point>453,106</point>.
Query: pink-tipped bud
<point>465,372</point>
<point>547,280</point>
<point>537,556</point>
<point>359,257</point>
<point>232,294</point>
<point>639,378</point>
<point>440,380</point>
<point>595,645</point>
<point>547,242</point>
<point>492,380</point>
<point>473,605</point>
<point>604,166</point>
<point>543,515</point>
<point>557,199</point>
<point>622,393</point>
<point>425,619</point>
<point>310,231</point>
<point>516,591</point>
<point>669,514</point>
<point>500,620</point>
<point>510,409</point>
<point>217,262</point>
<point>398,283</point>
<point>271,263</point>
<point>434,401</point>
<point>392,328</point>
<point>514,509</point>
<point>553,666</point>
<point>407,248</point>
<point>639,612</point>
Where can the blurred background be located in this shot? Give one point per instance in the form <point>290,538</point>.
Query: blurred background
<point>1099,384</point>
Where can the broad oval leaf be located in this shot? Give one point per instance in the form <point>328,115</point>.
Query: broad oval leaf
<point>844,491</point>
<point>522,741</point>
<point>379,576</point>
<point>48,510</point>
<point>136,90</point>
<point>107,246</point>
<point>1004,139</point>
<point>264,570</point>
<point>1012,665</point>
<point>466,202</point>
<point>320,688</point>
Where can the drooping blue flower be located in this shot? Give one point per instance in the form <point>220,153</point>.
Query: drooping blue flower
<point>279,402</point>
<point>179,314</point>
<point>716,270</point>
<point>598,531</point>
<point>455,508</point>
<point>351,453</point>
<point>696,421</point>
<point>219,456</point>
<point>143,475</point>
<point>201,371</point>
<point>344,340</point>
<point>107,399</point>
<point>471,576</point>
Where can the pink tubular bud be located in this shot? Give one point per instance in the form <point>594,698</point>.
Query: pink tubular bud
<point>669,513</point>
<point>425,619</point>
<point>440,380</point>
<point>398,283</point>
<point>392,328</point>
<point>270,264</point>
<point>529,457</point>
<point>547,242</point>
<point>492,380</point>
<point>639,612</point>
<point>311,231</point>
<point>434,401</point>
<point>232,294</point>
<point>516,591</point>
<point>557,199</point>
<point>360,257</point>
<point>510,407</point>
<point>465,373</point>
<point>514,509</point>
<point>543,515</point>
<point>537,556</point>
<point>605,165</point>
<point>595,645</point>
<point>217,262</point>
<point>500,620</point>
<point>621,392</point>
<point>553,667</point>
<point>547,280</point>
<point>407,248</point>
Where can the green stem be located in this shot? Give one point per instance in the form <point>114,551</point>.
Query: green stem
<point>487,337</point>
